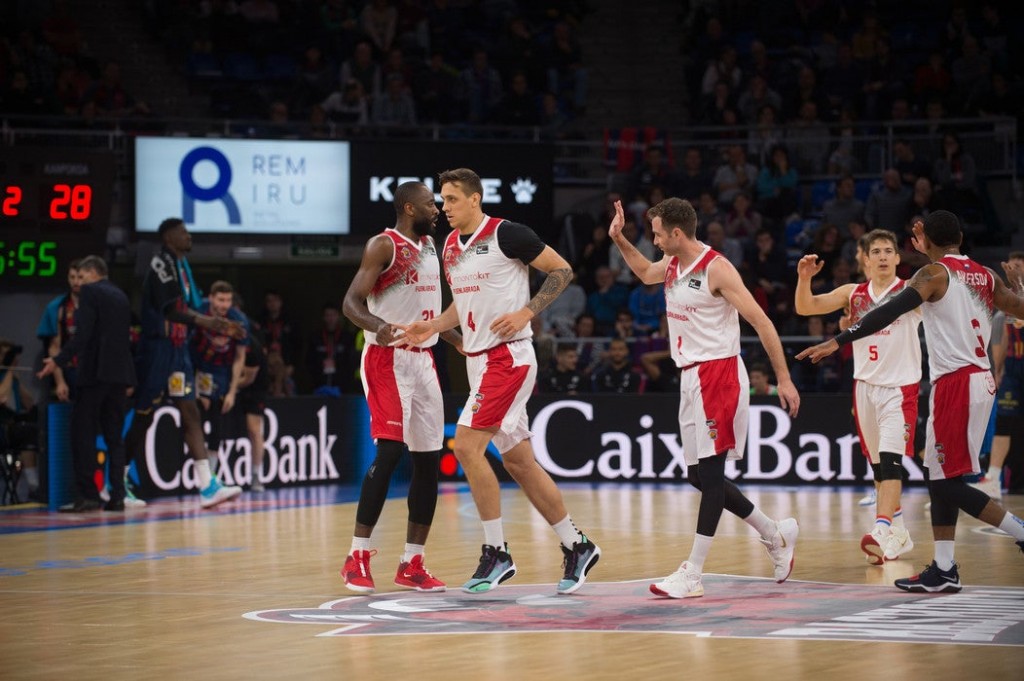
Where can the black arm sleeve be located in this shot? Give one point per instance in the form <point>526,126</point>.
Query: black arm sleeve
<point>882,316</point>
<point>519,241</point>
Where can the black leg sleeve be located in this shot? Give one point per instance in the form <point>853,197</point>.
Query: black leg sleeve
<point>423,488</point>
<point>377,481</point>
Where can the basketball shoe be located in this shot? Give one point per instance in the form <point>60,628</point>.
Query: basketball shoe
<point>495,567</point>
<point>932,580</point>
<point>873,544</point>
<point>782,546</point>
<point>356,571</point>
<point>868,499</point>
<point>989,486</point>
<point>583,556</point>
<point>413,575</point>
<point>683,583</point>
<point>215,493</point>
<point>897,543</point>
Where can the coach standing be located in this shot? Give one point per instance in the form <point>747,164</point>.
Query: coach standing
<point>105,373</point>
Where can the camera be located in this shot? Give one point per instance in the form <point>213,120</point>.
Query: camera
<point>12,352</point>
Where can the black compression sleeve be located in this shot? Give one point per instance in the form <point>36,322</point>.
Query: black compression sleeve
<point>882,316</point>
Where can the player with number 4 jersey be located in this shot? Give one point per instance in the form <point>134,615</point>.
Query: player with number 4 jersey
<point>487,262</point>
<point>887,375</point>
<point>958,298</point>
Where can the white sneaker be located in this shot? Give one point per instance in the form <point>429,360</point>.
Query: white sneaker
<point>217,493</point>
<point>257,486</point>
<point>897,543</point>
<point>133,502</point>
<point>782,546</point>
<point>683,583</point>
<point>869,499</point>
<point>873,544</point>
<point>989,486</point>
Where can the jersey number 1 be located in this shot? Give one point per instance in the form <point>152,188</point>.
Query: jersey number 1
<point>980,350</point>
<point>470,323</point>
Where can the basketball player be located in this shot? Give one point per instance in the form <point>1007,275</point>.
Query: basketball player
<point>959,298</point>
<point>704,295</point>
<point>887,375</point>
<point>398,280</point>
<point>487,262</point>
<point>165,366</point>
<point>1008,365</point>
<point>219,361</point>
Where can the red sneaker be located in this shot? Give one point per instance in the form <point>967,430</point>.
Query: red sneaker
<point>356,572</point>
<point>413,575</point>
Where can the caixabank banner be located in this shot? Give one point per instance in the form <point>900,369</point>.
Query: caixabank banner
<point>584,438</point>
<point>516,178</point>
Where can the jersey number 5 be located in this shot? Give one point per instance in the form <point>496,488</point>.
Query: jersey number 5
<point>872,352</point>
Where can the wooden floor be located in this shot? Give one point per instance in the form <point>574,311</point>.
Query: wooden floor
<point>164,597</point>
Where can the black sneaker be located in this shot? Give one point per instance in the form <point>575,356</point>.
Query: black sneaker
<point>577,564</point>
<point>1020,545</point>
<point>495,567</point>
<point>932,580</point>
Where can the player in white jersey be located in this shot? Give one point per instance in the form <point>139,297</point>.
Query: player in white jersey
<point>487,263</point>
<point>399,279</point>
<point>959,297</point>
<point>887,374</point>
<point>704,295</point>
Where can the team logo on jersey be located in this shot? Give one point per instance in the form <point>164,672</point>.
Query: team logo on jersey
<point>695,284</point>
<point>477,402</point>
<point>713,434</point>
<point>906,432</point>
<point>412,277</point>
<point>482,249</point>
<point>406,253</point>
<point>940,455</point>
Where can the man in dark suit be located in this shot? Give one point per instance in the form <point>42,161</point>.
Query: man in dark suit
<point>105,374</point>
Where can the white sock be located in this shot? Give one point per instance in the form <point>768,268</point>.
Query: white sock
<point>494,535</point>
<point>205,476</point>
<point>699,551</point>
<point>359,544</point>
<point>944,554</point>
<point>897,518</point>
<point>411,550</point>
<point>1013,526</point>
<point>567,532</point>
<point>765,526</point>
<point>993,473</point>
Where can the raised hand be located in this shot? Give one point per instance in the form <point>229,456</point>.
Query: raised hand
<point>615,228</point>
<point>809,266</point>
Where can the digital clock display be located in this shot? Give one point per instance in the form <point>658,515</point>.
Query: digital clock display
<point>55,206</point>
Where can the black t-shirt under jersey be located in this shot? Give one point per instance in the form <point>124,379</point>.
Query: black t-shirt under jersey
<point>516,241</point>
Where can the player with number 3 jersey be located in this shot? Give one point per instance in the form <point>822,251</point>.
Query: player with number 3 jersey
<point>958,298</point>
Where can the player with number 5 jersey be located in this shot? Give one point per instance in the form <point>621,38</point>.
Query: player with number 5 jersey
<point>487,262</point>
<point>887,375</point>
<point>958,298</point>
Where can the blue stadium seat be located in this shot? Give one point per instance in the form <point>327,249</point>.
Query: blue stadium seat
<point>863,188</point>
<point>822,191</point>
<point>280,67</point>
<point>204,66</point>
<point>242,67</point>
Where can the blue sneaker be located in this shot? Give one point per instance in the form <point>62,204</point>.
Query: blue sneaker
<point>932,580</point>
<point>495,567</point>
<point>583,556</point>
<point>216,493</point>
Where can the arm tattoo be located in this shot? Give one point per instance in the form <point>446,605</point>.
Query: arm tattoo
<point>551,288</point>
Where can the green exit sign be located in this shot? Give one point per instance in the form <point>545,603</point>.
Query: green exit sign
<point>314,248</point>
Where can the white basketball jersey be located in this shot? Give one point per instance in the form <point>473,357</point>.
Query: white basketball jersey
<point>957,328</point>
<point>890,357</point>
<point>701,326</point>
<point>485,285</point>
<point>409,289</point>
